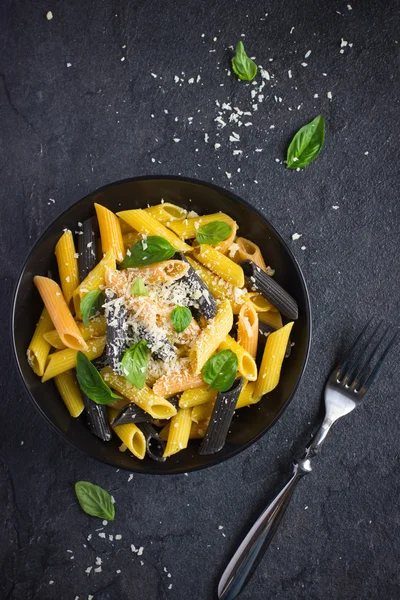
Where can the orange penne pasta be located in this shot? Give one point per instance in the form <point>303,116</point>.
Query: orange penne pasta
<point>224,246</point>
<point>220,264</point>
<point>97,328</point>
<point>178,380</point>
<point>59,313</point>
<point>67,265</point>
<point>110,232</point>
<point>248,250</point>
<point>248,328</point>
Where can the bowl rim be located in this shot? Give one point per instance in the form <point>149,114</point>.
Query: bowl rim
<point>215,460</point>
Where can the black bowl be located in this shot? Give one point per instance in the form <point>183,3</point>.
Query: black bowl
<point>250,423</point>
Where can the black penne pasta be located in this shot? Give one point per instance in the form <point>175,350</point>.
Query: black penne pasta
<point>174,400</point>
<point>87,248</point>
<point>201,297</point>
<point>259,281</point>
<point>221,418</point>
<point>116,315</point>
<point>154,445</point>
<point>100,362</point>
<point>97,419</point>
<point>131,413</point>
<point>264,330</point>
<point>160,351</point>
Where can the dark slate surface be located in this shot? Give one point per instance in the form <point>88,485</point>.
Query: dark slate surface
<point>67,130</point>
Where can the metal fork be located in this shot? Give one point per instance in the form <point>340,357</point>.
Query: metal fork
<point>344,390</point>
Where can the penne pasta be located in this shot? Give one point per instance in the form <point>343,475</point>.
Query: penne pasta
<point>96,328</point>
<point>179,431</point>
<point>248,250</point>
<point>187,228</point>
<point>211,336</point>
<point>130,435</point>
<point>59,312</point>
<point>220,264</point>
<point>246,363</point>
<point>198,430</point>
<point>87,248</point>
<point>272,360</point>
<point>202,412</point>
<point>125,227</point>
<point>147,399</point>
<point>39,348</point>
<point>110,232</point>
<point>197,396</point>
<point>64,360</point>
<point>67,263</point>
<point>271,318</point>
<point>177,381</point>
<point>224,246</point>
<point>96,416</point>
<point>166,212</point>
<point>131,238</point>
<point>246,396</point>
<point>247,335</point>
<point>94,280</point>
<point>70,392</point>
<point>148,225</point>
<point>259,303</point>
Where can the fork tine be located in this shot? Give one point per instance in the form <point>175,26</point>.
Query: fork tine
<point>354,351</point>
<point>363,368</point>
<point>379,363</point>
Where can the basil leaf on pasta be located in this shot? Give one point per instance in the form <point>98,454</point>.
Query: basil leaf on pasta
<point>181,318</point>
<point>90,305</point>
<point>138,288</point>
<point>220,370</point>
<point>148,251</point>
<point>91,382</point>
<point>134,363</point>
<point>213,233</point>
<point>242,65</point>
<point>94,500</point>
<point>306,144</point>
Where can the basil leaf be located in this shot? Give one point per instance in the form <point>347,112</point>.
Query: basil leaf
<point>151,250</point>
<point>134,364</point>
<point>90,305</point>
<point>94,500</point>
<point>220,370</point>
<point>242,65</point>
<point>138,288</point>
<point>181,318</point>
<point>91,382</point>
<point>213,233</point>
<point>306,144</point>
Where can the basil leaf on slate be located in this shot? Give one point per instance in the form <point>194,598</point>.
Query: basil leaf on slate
<point>151,250</point>
<point>134,364</point>
<point>181,318</point>
<point>91,382</point>
<point>94,500</point>
<point>138,288</point>
<point>90,305</point>
<point>220,370</point>
<point>306,144</point>
<point>242,65</point>
<point>213,233</point>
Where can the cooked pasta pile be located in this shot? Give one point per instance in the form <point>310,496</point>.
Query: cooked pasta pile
<point>161,327</point>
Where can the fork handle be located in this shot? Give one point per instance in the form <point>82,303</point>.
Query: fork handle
<point>256,542</point>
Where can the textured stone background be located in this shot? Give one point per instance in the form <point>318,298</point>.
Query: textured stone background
<point>66,130</point>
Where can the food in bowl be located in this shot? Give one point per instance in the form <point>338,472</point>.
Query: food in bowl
<point>161,327</point>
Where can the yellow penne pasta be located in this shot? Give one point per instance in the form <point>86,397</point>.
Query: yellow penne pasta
<point>248,250</point>
<point>148,225</point>
<point>246,363</point>
<point>247,335</point>
<point>67,265</point>
<point>130,435</point>
<point>39,348</point>
<point>164,432</point>
<point>174,382</point>
<point>246,396</point>
<point>96,328</point>
<point>198,396</point>
<point>110,232</point>
<point>202,412</point>
<point>64,360</point>
<point>179,431</point>
<point>271,318</point>
<point>167,212</point>
<point>94,280</point>
<point>59,312</point>
<point>224,246</point>
<point>260,304</point>
<point>156,406</point>
<point>220,264</point>
<point>125,227</point>
<point>211,336</point>
<point>198,430</point>
<point>220,289</point>
<point>188,228</point>
<point>131,238</point>
<point>272,360</point>
<point>70,392</point>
